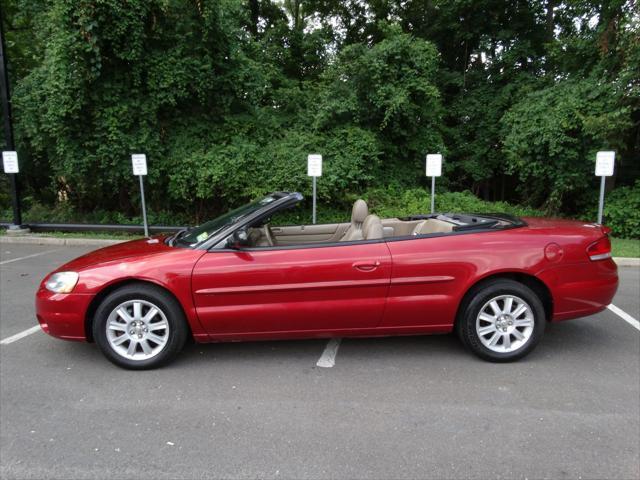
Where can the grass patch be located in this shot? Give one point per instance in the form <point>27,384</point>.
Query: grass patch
<point>625,247</point>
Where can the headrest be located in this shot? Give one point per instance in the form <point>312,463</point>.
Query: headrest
<point>359,212</point>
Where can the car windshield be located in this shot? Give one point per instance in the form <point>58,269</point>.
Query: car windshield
<point>202,232</point>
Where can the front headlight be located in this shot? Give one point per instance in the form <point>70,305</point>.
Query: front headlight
<point>62,282</point>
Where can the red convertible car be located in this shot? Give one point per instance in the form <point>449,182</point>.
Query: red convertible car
<point>494,279</point>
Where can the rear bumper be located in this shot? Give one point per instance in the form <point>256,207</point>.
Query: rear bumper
<point>581,289</point>
<point>62,315</point>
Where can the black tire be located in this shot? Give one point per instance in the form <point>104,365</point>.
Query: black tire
<point>477,298</point>
<point>167,304</point>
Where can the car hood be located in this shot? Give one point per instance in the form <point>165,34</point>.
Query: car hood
<point>135,248</point>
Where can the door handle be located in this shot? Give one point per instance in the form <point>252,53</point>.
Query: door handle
<point>276,229</point>
<point>366,266</point>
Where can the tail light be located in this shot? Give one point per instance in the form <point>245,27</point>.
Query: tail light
<point>600,250</point>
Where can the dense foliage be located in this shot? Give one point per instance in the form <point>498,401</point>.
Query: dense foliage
<point>227,98</point>
<point>622,211</point>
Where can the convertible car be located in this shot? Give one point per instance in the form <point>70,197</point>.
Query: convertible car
<point>496,280</point>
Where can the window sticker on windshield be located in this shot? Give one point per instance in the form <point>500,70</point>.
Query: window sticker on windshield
<point>202,236</point>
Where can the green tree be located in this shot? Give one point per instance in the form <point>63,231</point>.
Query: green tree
<point>552,136</point>
<point>228,97</point>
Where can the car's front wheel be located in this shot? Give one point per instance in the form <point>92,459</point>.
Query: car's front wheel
<point>139,327</point>
<point>502,320</point>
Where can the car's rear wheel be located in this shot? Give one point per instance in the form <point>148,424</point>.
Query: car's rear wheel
<point>139,327</point>
<point>502,320</point>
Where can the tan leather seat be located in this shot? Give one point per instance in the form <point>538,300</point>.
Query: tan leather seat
<point>358,214</point>
<point>372,228</point>
<point>432,225</point>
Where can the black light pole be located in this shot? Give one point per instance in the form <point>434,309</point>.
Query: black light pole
<point>8,130</point>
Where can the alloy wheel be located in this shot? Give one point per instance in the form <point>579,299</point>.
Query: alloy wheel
<point>505,323</point>
<point>137,330</point>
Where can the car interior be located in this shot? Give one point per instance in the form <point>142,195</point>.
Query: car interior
<point>363,226</point>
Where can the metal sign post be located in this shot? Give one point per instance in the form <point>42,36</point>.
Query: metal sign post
<point>9,156</point>
<point>139,163</point>
<point>11,168</point>
<point>433,170</point>
<point>605,162</point>
<point>314,169</point>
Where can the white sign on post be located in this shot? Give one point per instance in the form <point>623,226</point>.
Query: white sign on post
<point>604,164</point>
<point>10,162</point>
<point>314,169</point>
<point>434,165</point>
<point>434,169</point>
<point>139,162</point>
<point>314,165</point>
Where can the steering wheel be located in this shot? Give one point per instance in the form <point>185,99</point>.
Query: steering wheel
<point>268,235</point>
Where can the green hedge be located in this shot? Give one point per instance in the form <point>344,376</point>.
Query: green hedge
<point>622,211</point>
<point>397,202</point>
<point>392,202</point>
<point>385,202</point>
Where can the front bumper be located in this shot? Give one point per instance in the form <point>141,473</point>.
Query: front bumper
<point>62,315</point>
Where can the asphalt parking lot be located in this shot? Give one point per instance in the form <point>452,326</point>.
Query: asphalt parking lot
<point>412,407</point>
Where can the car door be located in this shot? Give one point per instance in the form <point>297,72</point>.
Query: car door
<point>430,276</point>
<point>302,289</point>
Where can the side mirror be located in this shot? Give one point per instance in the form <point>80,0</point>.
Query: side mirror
<point>238,240</point>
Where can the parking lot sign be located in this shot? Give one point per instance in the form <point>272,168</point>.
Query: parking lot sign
<point>605,163</point>
<point>433,170</point>
<point>10,162</point>
<point>314,170</point>
<point>139,163</point>
<point>314,165</point>
<point>434,165</point>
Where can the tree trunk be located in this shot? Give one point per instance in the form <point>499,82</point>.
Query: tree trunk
<point>254,12</point>
<point>550,20</point>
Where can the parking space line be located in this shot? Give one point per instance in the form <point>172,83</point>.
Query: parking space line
<point>28,256</point>
<point>18,336</point>
<point>624,315</point>
<point>328,357</point>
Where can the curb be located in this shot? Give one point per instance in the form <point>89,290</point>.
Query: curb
<point>627,261</point>
<point>70,242</point>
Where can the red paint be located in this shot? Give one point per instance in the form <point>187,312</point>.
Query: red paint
<point>292,289</point>
<point>396,287</point>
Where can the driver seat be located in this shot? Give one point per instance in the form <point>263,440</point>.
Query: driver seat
<point>358,214</point>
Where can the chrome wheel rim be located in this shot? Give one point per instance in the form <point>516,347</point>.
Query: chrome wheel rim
<point>137,330</point>
<point>505,324</point>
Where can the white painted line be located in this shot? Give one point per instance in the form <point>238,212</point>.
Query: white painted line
<point>328,357</point>
<point>28,256</point>
<point>18,336</point>
<point>625,316</point>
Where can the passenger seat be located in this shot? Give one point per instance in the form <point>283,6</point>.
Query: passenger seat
<point>358,215</point>
<point>372,228</point>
